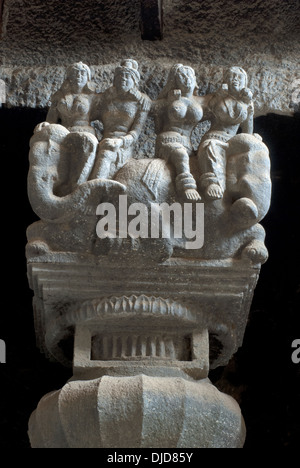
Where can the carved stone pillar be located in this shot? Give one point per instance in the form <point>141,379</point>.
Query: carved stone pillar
<point>143,318</point>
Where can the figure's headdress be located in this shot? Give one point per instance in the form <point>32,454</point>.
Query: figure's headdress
<point>131,66</point>
<point>171,82</point>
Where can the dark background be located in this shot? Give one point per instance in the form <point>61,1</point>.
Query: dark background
<point>261,376</point>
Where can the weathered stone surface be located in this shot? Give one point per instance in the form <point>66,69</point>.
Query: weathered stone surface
<point>185,294</point>
<point>49,25</point>
<point>142,307</point>
<point>137,412</point>
<point>262,37</point>
<point>274,83</point>
<point>71,175</point>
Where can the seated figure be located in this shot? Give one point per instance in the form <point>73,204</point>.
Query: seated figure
<point>231,107</point>
<point>71,104</point>
<point>178,110</point>
<point>71,173</point>
<point>123,110</point>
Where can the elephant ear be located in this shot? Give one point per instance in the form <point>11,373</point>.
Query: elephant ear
<point>45,143</point>
<point>60,162</point>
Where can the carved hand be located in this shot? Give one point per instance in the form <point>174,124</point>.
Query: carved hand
<point>174,95</point>
<point>112,144</point>
<point>146,103</point>
<point>251,109</point>
<point>246,95</point>
<point>127,140</point>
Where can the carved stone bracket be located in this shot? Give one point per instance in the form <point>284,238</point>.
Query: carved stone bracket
<point>135,346</point>
<point>213,296</point>
<point>144,268</point>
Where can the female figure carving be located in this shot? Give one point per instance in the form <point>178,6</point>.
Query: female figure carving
<point>178,111</point>
<point>231,107</point>
<point>72,103</point>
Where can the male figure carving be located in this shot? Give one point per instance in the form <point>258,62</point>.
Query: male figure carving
<point>123,110</point>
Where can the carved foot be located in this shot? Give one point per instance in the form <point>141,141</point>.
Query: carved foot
<point>244,210</point>
<point>187,187</point>
<point>192,195</point>
<point>214,192</point>
<point>256,251</point>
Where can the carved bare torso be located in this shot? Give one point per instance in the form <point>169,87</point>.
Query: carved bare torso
<point>123,114</point>
<point>182,116</point>
<point>74,109</point>
<point>176,116</point>
<point>228,113</point>
<point>118,116</point>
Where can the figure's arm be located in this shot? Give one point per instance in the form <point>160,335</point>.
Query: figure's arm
<point>53,114</point>
<point>205,102</point>
<point>139,121</point>
<point>157,106</point>
<point>174,95</point>
<point>157,112</point>
<point>248,125</point>
<point>96,107</point>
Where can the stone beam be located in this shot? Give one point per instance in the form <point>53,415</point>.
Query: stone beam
<point>152,19</point>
